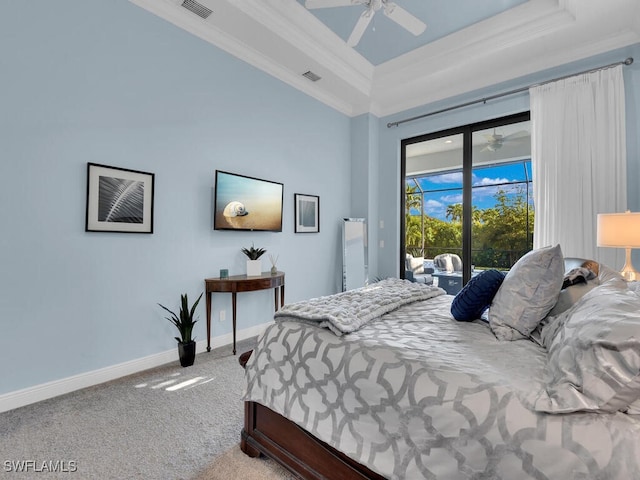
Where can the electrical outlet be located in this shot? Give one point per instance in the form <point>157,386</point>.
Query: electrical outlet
<point>223,315</point>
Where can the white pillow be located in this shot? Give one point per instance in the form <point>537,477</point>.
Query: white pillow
<point>416,264</point>
<point>528,293</point>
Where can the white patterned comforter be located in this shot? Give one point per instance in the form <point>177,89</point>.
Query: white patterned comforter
<point>415,394</point>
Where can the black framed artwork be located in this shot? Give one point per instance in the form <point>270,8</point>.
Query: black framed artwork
<point>307,213</point>
<point>119,200</point>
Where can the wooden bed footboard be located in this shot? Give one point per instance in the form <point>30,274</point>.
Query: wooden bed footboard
<point>266,432</point>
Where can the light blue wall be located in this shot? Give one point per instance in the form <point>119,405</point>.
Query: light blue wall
<point>364,195</point>
<point>107,82</point>
<point>388,164</point>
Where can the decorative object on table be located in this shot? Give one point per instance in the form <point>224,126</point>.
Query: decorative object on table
<point>224,273</point>
<point>184,323</point>
<point>247,203</point>
<point>119,200</point>
<point>307,213</point>
<point>621,230</point>
<point>274,261</point>
<point>254,265</point>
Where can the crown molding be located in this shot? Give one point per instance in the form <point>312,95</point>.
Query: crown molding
<point>171,11</point>
<point>477,75</point>
<point>514,27</point>
<point>283,39</point>
<point>492,52</point>
<point>296,25</point>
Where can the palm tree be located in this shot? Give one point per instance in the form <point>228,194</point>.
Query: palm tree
<point>413,199</point>
<point>454,213</point>
<point>413,232</point>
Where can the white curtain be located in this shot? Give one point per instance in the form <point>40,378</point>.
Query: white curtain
<point>579,160</point>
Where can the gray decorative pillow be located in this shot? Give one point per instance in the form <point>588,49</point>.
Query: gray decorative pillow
<point>528,293</point>
<point>593,363</point>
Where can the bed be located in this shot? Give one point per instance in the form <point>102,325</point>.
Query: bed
<point>397,388</point>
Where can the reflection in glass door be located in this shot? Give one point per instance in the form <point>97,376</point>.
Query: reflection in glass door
<point>467,201</point>
<point>433,219</point>
<point>502,195</point>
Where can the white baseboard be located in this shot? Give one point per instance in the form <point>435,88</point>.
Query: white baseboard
<point>27,396</point>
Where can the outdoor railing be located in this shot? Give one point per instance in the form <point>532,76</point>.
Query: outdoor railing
<point>480,258</point>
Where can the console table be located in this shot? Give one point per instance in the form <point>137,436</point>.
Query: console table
<point>241,283</point>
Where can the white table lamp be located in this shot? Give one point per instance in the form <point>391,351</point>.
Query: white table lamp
<point>621,230</point>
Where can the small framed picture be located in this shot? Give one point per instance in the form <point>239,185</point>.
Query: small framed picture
<point>307,208</point>
<point>119,200</point>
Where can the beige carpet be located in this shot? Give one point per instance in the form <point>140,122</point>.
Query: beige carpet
<point>233,464</point>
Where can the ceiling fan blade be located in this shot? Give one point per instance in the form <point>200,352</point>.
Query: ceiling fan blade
<point>519,134</point>
<point>404,18</point>
<point>311,4</point>
<point>361,26</point>
<point>494,137</point>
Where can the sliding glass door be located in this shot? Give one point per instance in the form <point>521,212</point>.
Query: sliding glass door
<point>502,211</point>
<point>467,201</point>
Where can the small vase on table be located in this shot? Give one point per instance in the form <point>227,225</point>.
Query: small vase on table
<point>274,268</point>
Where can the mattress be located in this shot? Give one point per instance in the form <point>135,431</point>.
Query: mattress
<point>415,394</point>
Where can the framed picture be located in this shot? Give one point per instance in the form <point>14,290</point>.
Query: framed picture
<point>119,200</point>
<point>307,208</point>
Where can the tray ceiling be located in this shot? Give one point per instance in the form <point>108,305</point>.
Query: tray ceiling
<point>467,44</point>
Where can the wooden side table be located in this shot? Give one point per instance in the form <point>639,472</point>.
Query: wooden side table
<point>241,283</point>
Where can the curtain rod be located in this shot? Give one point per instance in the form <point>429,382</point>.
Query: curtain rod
<point>627,61</point>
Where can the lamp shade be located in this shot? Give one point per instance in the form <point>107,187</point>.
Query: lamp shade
<point>621,230</point>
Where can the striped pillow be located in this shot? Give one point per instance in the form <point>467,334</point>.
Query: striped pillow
<point>476,295</point>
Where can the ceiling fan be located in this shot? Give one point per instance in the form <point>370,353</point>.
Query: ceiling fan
<point>390,9</point>
<point>496,140</point>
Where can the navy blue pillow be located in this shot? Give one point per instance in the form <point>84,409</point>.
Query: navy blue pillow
<point>476,295</point>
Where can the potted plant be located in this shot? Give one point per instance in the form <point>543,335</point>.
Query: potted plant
<point>254,265</point>
<point>184,323</point>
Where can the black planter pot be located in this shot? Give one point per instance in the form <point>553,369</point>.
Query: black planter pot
<point>187,353</point>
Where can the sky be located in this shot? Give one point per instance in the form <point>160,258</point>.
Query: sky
<point>445,189</point>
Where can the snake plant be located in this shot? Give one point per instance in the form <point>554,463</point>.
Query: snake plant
<point>184,322</point>
<point>253,253</point>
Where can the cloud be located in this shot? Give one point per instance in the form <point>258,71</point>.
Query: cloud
<point>453,177</point>
<point>452,198</point>
<point>490,181</point>
<point>433,206</point>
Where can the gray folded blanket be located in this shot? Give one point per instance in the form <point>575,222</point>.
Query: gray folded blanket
<point>348,311</point>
